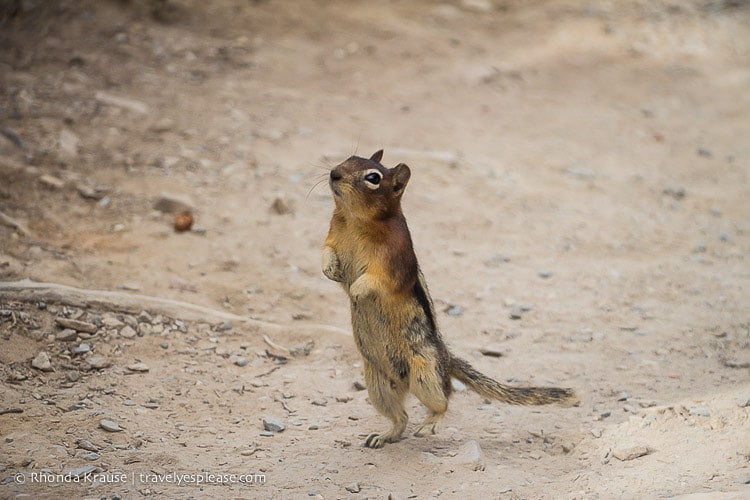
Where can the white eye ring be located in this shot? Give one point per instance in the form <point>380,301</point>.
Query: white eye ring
<point>372,178</point>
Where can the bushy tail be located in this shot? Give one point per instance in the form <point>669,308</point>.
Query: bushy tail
<point>489,388</point>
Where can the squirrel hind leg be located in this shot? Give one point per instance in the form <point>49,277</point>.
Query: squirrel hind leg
<point>428,387</point>
<point>388,398</point>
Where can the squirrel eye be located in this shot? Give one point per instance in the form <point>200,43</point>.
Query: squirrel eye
<point>373,178</point>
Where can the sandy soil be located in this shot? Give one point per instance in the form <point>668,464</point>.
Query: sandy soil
<point>586,160</point>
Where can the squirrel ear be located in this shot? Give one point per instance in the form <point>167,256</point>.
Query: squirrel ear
<point>377,156</point>
<point>401,175</point>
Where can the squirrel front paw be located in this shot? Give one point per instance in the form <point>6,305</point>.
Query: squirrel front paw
<point>331,265</point>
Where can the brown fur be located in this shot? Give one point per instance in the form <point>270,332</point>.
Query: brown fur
<point>369,251</point>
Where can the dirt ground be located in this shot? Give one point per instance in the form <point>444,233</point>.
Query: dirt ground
<point>580,166</point>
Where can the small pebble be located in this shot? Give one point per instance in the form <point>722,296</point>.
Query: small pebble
<point>545,274</point>
<point>79,326</point>
<point>744,401</point>
<point>80,471</point>
<point>273,425</point>
<point>98,362</point>
<point>127,332</point>
<point>267,433</point>
<point>742,480</point>
<point>87,445</point>
<point>454,311</point>
<point>91,456</point>
<point>82,349</point>
<point>359,386</point>
<point>705,153</point>
<point>67,335</point>
<point>676,192</point>
<point>631,453</point>
<point>238,360</point>
<point>353,488</point>
<point>42,362</point>
<point>313,493</point>
<point>320,402</point>
<point>701,412</point>
<point>516,312</point>
<point>109,425</point>
<point>138,367</point>
<point>470,455</point>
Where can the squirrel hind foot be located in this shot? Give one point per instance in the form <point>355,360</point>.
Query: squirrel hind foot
<point>377,440</point>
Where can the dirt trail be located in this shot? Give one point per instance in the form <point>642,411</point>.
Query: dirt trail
<point>585,165</point>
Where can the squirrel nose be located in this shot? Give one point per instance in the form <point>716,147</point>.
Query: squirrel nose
<point>335,175</point>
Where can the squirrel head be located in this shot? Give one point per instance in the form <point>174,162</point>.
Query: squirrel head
<point>365,189</point>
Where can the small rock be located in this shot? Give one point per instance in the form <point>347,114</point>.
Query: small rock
<point>631,453</point>
<point>397,495</point>
<point>67,335</point>
<point>273,425</point>
<point>491,352</point>
<point>353,488</point>
<point>516,312</point>
<point>79,326</point>
<point>725,236</point>
<point>224,327</point>
<point>127,332</point>
<point>313,493</point>
<point>705,153</point>
<point>109,425</point>
<point>700,412</point>
<point>98,362</point>
<point>624,396</point>
<point>80,471</point>
<point>744,401</point>
<point>301,350</point>
<point>87,445</point>
<point>112,322</point>
<point>91,193</point>
<point>162,125</point>
<point>454,311</point>
<point>42,362</point>
<point>68,144</point>
<point>320,402</point>
<point>281,206</point>
<point>172,204</point>
<point>359,385</point>
<point>91,456</point>
<point>470,455</point>
<point>137,367</point>
<point>545,274</point>
<point>126,103</point>
<point>580,172</point>
<point>481,6</point>
<point>82,349</point>
<point>267,433</point>
<point>676,192</point>
<point>742,480</point>
<point>72,376</point>
<point>51,182</point>
<point>238,360</point>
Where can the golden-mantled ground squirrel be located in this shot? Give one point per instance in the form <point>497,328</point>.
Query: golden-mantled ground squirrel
<point>369,251</point>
